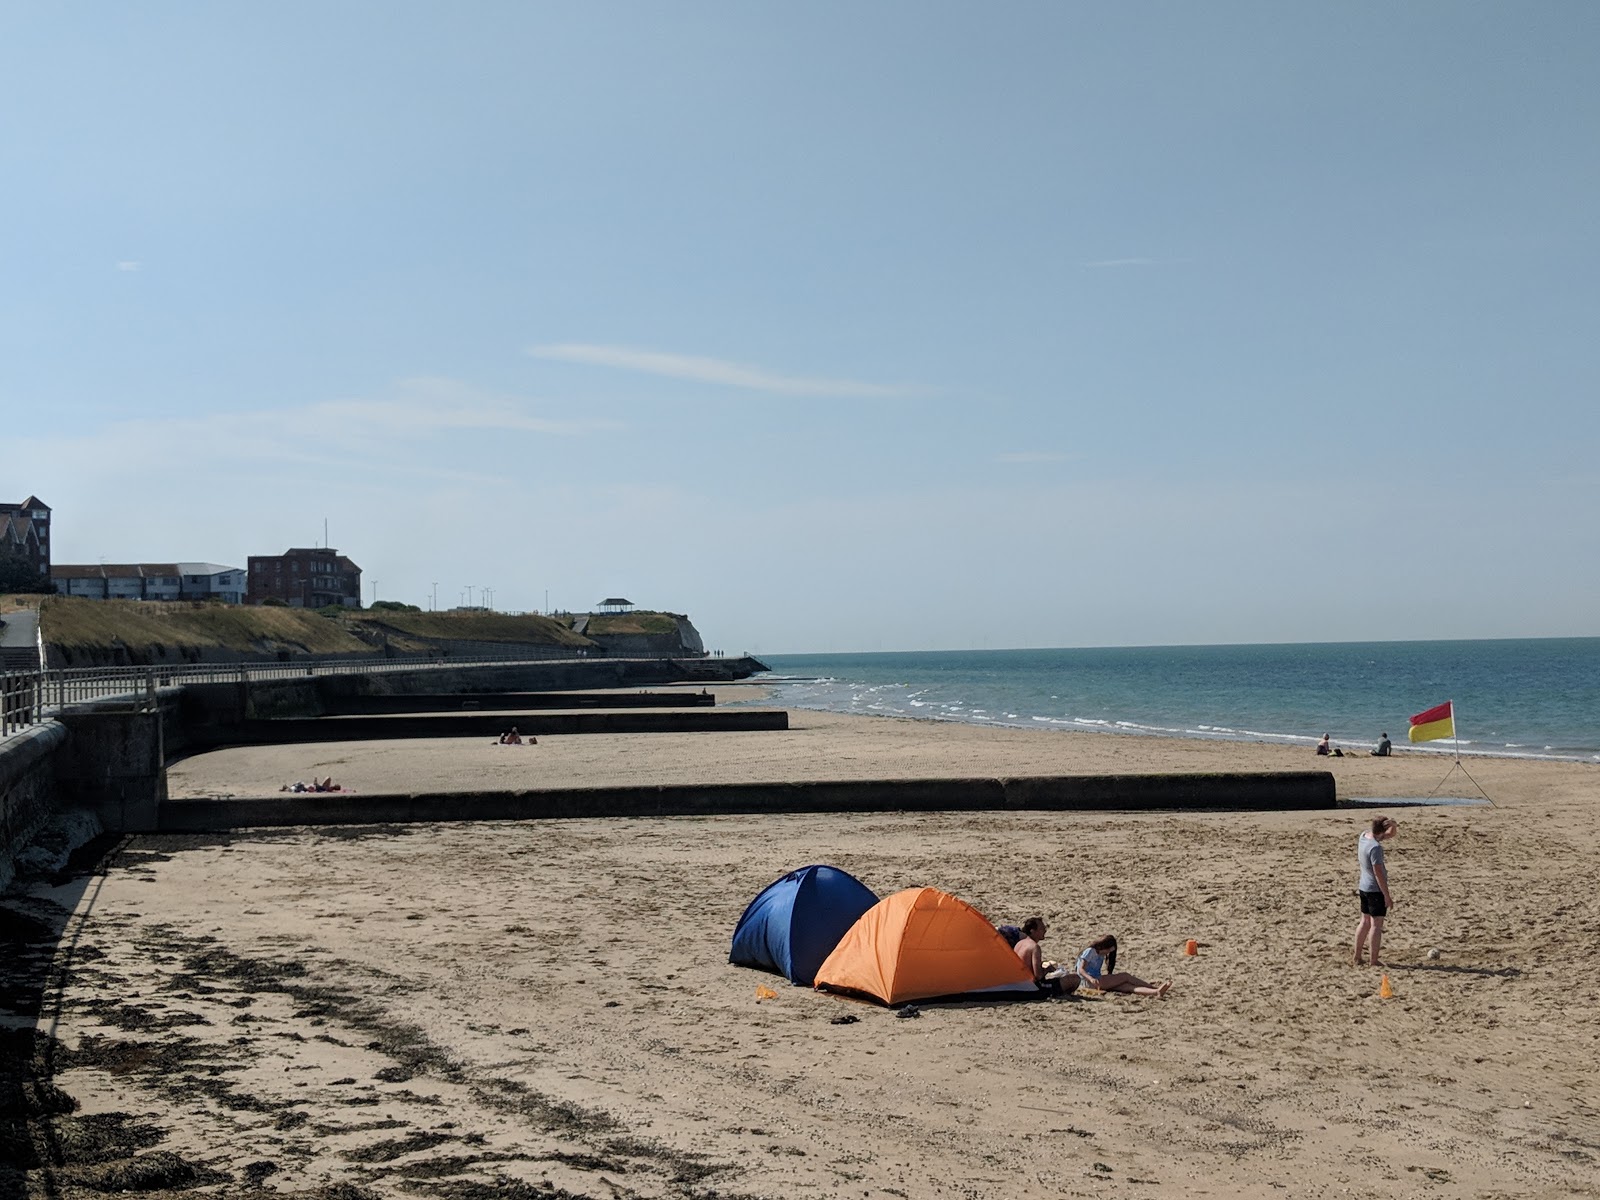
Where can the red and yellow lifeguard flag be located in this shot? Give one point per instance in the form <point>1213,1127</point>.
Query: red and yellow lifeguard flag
<point>1438,722</point>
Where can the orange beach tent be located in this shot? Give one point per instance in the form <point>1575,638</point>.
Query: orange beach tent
<point>922,943</point>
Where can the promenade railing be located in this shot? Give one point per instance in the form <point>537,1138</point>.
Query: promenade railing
<point>29,697</point>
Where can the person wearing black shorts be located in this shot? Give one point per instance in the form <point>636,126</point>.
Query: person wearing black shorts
<point>1373,888</point>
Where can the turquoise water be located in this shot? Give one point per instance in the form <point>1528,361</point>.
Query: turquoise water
<point>1534,698</point>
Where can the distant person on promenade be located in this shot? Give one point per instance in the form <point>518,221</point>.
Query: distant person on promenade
<point>1373,887</point>
<point>1027,948</point>
<point>1384,746</point>
<point>1097,969</point>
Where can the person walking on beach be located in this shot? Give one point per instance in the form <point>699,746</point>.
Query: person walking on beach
<point>1373,887</point>
<point>1097,969</point>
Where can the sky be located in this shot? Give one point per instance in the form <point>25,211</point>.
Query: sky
<point>836,326</point>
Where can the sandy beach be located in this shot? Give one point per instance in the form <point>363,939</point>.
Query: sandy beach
<point>545,1008</point>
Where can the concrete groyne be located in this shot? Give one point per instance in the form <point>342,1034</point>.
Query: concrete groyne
<point>425,702</point>
<point>285,731</point>
<point>1259,792</point>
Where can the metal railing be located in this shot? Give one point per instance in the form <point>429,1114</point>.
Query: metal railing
<point>29,697</point>
<point>20,695</point>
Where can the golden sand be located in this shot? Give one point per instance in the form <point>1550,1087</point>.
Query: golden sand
<point>420,1009</point>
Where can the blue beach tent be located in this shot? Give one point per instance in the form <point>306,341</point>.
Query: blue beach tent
<point>796,921</point>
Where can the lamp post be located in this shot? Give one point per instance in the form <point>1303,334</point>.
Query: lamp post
<point>434,603</point>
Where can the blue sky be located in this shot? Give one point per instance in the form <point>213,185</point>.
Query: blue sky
<point>837,326</point>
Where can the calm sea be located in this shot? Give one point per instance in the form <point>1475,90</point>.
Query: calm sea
<point>1535,698</point>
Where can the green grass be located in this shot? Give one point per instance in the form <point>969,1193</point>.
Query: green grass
<point>632,622</point>
<point>148,630</point>
<point>140,626</point>
<point>477,627</point>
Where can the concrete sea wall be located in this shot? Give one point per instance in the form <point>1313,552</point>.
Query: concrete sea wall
<point>28,799</point>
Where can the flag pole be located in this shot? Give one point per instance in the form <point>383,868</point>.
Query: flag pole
<point>1455,742</point>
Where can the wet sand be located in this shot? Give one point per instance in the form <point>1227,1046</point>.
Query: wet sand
<point>530,1007</point>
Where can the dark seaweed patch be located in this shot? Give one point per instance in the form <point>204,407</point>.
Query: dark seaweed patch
<point>100,1137</point>
<point>157,1170</point>
<point>502,1188</point>
<point>380,1152</point>
<point>256,1172</point>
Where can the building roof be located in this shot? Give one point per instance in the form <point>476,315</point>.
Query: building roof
<point>615,600</point>
<point>205,568</point>
<point>112,570</point>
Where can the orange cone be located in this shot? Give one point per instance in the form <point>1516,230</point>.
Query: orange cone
<point>1191,947</point>
<point>1384,990</point>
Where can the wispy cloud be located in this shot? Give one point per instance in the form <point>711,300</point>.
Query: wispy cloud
<point>710,370</point>
<point>1033,456</point>
<point>425,406</point>
<point>406,426</point>
<point>128,264</point>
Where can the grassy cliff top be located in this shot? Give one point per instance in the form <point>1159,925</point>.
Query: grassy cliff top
<point>77,624</point>
<point>141,626</point>
<point>629,622</point>
<point>477,627</point>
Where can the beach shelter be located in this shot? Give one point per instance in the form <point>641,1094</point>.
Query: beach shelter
<point>922,943</point>
<point>796,921</point>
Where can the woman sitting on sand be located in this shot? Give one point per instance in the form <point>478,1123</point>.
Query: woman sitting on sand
<point>1097,969</point>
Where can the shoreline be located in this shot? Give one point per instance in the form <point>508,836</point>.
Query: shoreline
<point>1514,697</point>
<point>826,746</point>
<point>1293,741</point>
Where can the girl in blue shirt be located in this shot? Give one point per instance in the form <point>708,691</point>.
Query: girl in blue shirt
<point>1097,968</point>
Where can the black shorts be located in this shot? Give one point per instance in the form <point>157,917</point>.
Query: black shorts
<point>1372,904</point>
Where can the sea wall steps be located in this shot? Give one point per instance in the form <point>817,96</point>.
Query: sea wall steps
<point>1262,792</point>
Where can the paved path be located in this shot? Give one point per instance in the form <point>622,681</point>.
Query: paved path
<point>19,645</point>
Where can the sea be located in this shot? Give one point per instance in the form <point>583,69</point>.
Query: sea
<point>1514,698</point>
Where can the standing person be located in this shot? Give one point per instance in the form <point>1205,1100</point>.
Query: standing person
<point>1097,968</point>
<point>1028,950</point>
<point>1374,887</point>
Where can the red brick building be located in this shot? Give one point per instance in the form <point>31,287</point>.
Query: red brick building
<point>303,578</point>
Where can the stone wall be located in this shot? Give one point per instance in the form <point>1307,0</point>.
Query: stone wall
<point>27,791</point>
